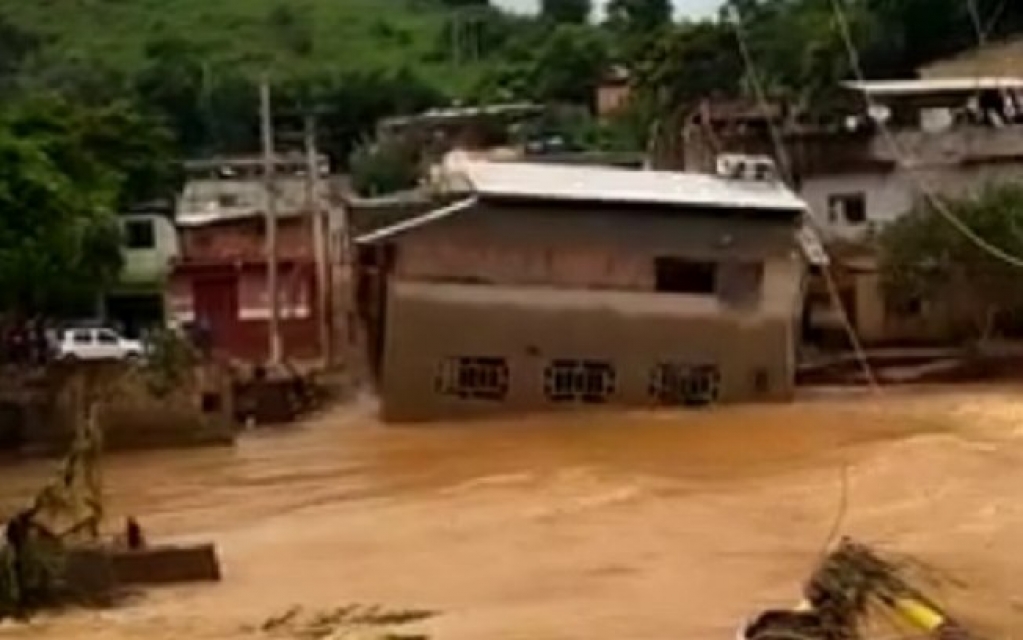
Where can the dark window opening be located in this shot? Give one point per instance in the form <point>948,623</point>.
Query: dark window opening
<point>587,381</point>
<point>139,234</point>
<point>848,207</point>
<point>481,378</point>
<point>211,402</point>
<point>678,275</point>
<point>908,308</point>
<point>674,384</point>
<point>228,200</point>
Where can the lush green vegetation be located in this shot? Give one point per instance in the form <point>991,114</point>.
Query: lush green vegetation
<point>194,63</point>
<point>925,258</point>
<point>66,172</point>
<point>103,95</point>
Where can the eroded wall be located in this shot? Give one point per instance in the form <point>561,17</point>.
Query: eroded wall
<point>530,288</point>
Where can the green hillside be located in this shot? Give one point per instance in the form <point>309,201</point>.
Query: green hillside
<point>291,36</point>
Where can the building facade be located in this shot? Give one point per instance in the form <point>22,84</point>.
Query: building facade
<point>556,287</point>
<point>944,137</point>
<point>220,280</point>
<point>150,246</point>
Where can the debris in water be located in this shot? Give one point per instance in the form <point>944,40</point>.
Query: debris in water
<point>849,584</point>
<point>352,622</point>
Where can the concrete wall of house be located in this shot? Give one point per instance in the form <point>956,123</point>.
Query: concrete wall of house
<point>244,196</point>
<point>889,195</point>
<point>245,240</point>
<point>244,335</point>
<point>611,98</point>
<point>532,287</point>
<point>148,264</point>
<point>878,323</point>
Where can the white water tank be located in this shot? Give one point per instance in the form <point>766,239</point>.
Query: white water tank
<point>734,166</point>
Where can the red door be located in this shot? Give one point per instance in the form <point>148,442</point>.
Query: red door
<point>216,307</point>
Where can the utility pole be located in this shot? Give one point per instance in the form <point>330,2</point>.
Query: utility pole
<point>270,184</point>
<point>316,219</point>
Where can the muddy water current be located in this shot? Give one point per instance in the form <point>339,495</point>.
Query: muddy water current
<point>645,525</point>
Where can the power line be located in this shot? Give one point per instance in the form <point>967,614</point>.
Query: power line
<point>933,200</point>
<point>787,168</point>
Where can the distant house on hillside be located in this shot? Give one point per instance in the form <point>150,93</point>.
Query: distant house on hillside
<point>613,92</point>
<point>552,286</point>
<point>952,136</point>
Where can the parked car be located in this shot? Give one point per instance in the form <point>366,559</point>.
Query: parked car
<point>97,343</point>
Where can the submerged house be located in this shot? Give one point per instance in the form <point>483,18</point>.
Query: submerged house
<point>552,286</point>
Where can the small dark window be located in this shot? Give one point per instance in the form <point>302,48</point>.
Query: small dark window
<point>679,275</point>
<point>673,384</point>
<point>139,234</point>
<point>481,378</point>
<point>211,402</point>
<point>228,200</point>
<point>909,308</point>
<point>81,337</point>
<point>586,381</point>
<point>848,207</point>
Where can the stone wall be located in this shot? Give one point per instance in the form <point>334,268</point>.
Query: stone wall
<point>42,415</point>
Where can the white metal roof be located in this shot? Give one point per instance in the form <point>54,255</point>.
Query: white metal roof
<point>607,184</point>
<point>935,85</point>
<point>413,223</point>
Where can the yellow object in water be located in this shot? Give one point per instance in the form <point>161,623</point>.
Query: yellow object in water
<point>919,614</point>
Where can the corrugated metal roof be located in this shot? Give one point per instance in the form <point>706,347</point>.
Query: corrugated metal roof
<point>935,85</point>
<point>414,223</point>
<point>608,184</point>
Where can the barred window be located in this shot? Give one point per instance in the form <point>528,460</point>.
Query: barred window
<point>475,377</point>
<point>674,383</point>
<point>588,381</point>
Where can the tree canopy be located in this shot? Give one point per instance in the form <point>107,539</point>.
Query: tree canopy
<point>66,171</point>
<point>925,258</point>
<point>566,11</point>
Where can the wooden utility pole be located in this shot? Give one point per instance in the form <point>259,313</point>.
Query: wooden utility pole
<point>316,219</point>
<point>270,213</point>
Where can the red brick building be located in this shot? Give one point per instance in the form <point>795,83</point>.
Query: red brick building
<point>220,279</point>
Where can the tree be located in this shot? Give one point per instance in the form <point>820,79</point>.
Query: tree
<point>925,258</point>
<point>384,167</point>
<point>566,11</point>
<point>67,170</point>
<point>59,240</point>
<point>689,63</point>
<point>130,155</point>
<point>636,17</point>
<point>16,44</point>
<point>570,66</point>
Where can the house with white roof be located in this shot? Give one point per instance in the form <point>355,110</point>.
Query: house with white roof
<point>543,287</point>
<point>861,168</point>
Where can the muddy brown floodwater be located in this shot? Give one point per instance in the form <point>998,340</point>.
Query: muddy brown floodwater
<point>647,525</point>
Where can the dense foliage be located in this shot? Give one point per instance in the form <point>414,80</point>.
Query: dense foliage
<point>196,63</point>
<point>925,258</point>
<point>146,82</point>
<point>65,172</point>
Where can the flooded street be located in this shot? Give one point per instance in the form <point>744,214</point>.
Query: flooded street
<point>666,525</point>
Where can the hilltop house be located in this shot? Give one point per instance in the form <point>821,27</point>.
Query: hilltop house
<point>549,286</point>
<point>948,136</point>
